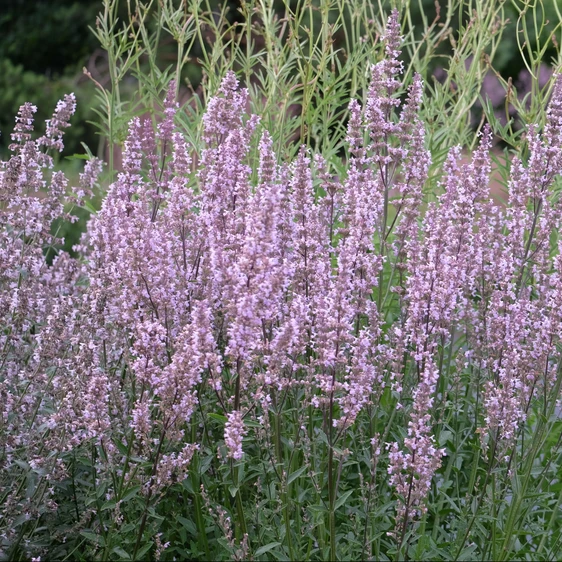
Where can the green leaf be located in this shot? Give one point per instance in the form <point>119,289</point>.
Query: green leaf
<point>467,553</point>
<point>154,515</point>
<point>296,474</point>
<point>121,553</point>
<point>121,447</point>
<point>220,418</point>
<point>141,553</point>
<point>128,528</point>
<point>188,524</point>
<point>205,464</point>
<point>93,537</point>
<point>78,157</point>
<point>22,464</point>
<point>89,207</point>
<point>88,155</point>
<point>445,436</point>
<point>188,485</point>
<point>266,548</point>
<point>131,493</point>
<point>321,436</point>
<point>342,499</point>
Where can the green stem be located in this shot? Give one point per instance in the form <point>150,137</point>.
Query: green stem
<point>241,519</point>
<point>285,492</point>
<point>196,483</point>
<point>553,518</point>
<point>332,495</point>
<point>150,492</point>
<point>332,482</point>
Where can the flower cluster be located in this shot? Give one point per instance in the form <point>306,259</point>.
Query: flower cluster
<point>37,304</point>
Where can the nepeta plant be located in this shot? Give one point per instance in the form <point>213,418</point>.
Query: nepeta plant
<point>36,300</point>
<point>257,356</point>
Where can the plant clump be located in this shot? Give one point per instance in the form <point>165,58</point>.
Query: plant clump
<point>274,348</point>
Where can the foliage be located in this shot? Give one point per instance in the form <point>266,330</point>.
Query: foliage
<point>298,326</point>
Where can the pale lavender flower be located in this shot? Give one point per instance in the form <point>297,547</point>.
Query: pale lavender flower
<point>519,342</point>
<point>225,110</point>
<point>59,121</point>
<point>258,274</point>
<point>24,125</point>
<point>412,471</point>
<point>234,432</point>
<point>88,178</point>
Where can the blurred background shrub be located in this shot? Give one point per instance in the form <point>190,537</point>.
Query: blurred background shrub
<point>45,44</point>
<point>43,47</point>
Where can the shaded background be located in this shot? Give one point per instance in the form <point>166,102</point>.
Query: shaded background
<point>44,45</point>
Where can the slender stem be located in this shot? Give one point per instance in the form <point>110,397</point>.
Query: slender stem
<point>239,507</point>
<point>479,502</point>
<point>196,484</point>
<point>332,502</point>
<point>150,492</point>
<point>332,483</point>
